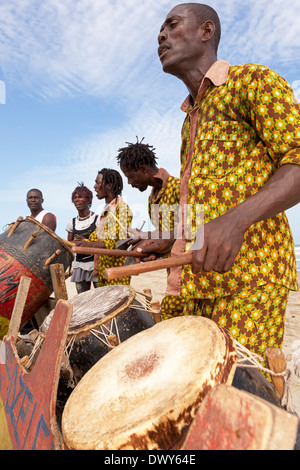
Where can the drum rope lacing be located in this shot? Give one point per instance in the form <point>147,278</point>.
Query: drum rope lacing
<point>249,359</point>
<point>104,333</point>
<point>291,374</point>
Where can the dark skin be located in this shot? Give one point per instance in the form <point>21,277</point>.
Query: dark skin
<point>34,202</point>
<point>82,205</point>
<point>186,51</point>
<point>102,192</point>
<point>142,178</point>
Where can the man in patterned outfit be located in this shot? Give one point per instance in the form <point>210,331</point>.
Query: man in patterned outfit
<point>240,161</point>
<point>139,164</point>
<point>114,225</point>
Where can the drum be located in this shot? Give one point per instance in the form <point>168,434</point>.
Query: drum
<point>27,248</point>
<point>144,394</point>
<point>102,318</point>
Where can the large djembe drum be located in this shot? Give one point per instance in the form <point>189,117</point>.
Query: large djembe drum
<point>28,248</point>
<point>144,394</point>
<point>102,318</point>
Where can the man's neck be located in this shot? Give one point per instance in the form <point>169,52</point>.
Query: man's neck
<point>36,212</point>
<point>193,78</point>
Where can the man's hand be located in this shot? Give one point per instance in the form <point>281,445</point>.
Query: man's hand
<point>152,244</point>
<point>217,244</point>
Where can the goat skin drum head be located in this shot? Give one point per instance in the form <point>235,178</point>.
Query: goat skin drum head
<point>143,393</point>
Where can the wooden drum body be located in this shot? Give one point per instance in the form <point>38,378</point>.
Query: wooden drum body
<point>144,394</point>
<point>27,248</point>
<point>102,318</point>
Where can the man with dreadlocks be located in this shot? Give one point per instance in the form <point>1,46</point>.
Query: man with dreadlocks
<point>139,164</point>
<point>114,224</point>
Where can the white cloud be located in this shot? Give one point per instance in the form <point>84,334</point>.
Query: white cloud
<point>58,48</point>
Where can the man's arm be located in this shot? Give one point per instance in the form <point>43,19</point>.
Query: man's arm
<point>223,237</point>
<point>50,221</point>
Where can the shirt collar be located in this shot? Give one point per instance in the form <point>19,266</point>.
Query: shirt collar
<point>217,74</point>
<point>163,175</point>
<point>112,206</point>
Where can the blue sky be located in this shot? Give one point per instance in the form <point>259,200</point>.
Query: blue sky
<point>82,77</point>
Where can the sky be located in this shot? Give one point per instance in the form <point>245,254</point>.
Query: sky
<point>80,78</point>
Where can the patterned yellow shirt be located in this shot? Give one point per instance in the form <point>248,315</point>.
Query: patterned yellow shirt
<point>243,126</point>
<point>163,207</point>
<point>110,232</point>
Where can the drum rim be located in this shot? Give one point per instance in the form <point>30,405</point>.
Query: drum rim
<point>101,321</point>
<point>50,232</point>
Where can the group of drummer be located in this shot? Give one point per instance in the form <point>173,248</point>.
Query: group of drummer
<point>138,163</point>
<point>239,173</point>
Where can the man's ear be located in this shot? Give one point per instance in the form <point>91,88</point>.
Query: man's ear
<point>208,30</point>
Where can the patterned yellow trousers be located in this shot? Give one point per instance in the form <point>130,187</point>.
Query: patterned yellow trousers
<point>255,318</point>
<point>4,324</point>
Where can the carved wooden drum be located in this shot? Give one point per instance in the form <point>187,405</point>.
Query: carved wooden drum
<point>144,394</point>
<point>27,248</point>
<point>102,318</point>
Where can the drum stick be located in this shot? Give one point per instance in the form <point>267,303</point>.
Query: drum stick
<point>15,225</point>
<point>71,244</point>
<point>105,251</point>
<point>115,273</point>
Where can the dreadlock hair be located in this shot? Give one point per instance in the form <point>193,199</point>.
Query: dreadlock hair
<point>114,178</point>
<point>83,191</point>
<point>136,155</point>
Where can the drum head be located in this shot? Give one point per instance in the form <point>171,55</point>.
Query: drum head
<point>94,307</point>
<point>142,394</point>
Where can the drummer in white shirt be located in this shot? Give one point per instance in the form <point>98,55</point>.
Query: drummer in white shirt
<point>80,228</point>
<point>35,200</point>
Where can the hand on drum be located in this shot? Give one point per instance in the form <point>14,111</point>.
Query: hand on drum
<point>152,244</point>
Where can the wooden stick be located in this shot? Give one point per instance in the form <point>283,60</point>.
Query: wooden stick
<point>131,270</point>
<point>277,363</point>
<point>14,226</point>
<point>71,244</point>
<point>16,317</point>
<point>58,281</point>
<point>30,240</point>
<point>48,261</point>
<point>105,251</point>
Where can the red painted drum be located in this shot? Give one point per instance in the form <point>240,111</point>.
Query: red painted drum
<point>28,248</point>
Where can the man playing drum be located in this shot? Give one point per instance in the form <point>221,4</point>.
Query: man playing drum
<point>114,225</point>
<point>239,161</point>
<point>138,162</point>
<point>35,200</point>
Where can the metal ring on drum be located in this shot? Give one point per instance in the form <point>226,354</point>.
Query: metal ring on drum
<point>28,248</point>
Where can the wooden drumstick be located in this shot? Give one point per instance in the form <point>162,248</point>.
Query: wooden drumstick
<point>15,225</point>
<point>30,240</point>
<point>71,244</point>
<point>105,251</point>
<point>131,270</point>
